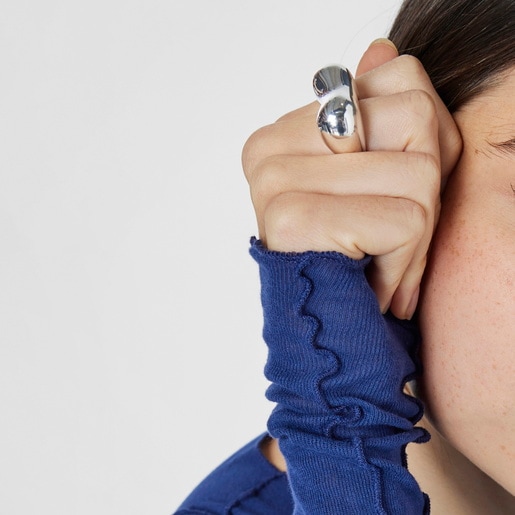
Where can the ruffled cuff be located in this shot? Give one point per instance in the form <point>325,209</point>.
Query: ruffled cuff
<point>338,368</point>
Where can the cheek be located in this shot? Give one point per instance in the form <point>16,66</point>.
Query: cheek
<point>467,319</point>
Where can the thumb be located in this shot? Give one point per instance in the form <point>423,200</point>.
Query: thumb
<point>379,52</point>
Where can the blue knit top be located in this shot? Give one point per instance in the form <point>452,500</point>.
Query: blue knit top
<point>337,368</point>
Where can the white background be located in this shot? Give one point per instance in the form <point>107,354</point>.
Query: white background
<point>130,327</point>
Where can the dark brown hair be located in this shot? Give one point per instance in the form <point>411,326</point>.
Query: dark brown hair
<point>464,45</point>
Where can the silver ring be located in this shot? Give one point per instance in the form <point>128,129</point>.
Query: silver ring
<point>338,116</point>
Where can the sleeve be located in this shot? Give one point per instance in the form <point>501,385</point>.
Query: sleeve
<point>338,368</point>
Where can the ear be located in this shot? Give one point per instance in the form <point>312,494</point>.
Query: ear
<point>379,52</point>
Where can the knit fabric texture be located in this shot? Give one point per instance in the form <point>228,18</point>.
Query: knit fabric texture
<point>338,369</point>
<point>246,483</point>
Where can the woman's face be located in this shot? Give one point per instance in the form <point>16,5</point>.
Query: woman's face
<point>467,308</point>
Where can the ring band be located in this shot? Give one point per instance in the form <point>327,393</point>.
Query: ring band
<point>338,116</point>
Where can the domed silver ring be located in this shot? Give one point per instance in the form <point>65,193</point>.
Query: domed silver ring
<point>338,116</point>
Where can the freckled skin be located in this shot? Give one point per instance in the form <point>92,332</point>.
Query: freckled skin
<point>467,306</point>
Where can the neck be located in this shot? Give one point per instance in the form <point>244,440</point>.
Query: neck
<point>454,484</point>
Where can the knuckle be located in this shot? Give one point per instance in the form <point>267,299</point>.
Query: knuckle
<point>426,167</point>
<point>267,177</point>
<point>419,111</point>
<point>453,144</point>
<point>285,220</point>
<point>431,169</point>
<point>416,217</point>
<point>411,68</point>
<point>421,104</point>
<point>255,148</point>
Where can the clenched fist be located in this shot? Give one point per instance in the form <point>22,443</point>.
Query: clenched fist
<point>382,201</point>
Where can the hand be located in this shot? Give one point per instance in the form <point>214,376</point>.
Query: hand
<point>383,202</point>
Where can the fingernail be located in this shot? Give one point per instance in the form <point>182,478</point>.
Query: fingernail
<point>412,306</point>
<point>386,307</point>
<point>383,41</point>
